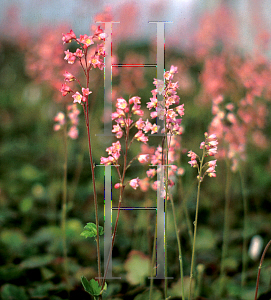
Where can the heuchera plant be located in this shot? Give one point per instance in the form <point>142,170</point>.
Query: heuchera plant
<point>131,126</point>
<point>88,58</point>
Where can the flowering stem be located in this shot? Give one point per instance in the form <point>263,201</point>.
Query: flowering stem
<point>184,207</point>
<point>152,262</point>
<point>86,111</point>
<point>179,245</point>
<point>119,205</point>
<point>166,281</point>
<point>260,267</point>
<point>244,253</point>
<point>226,229</point>
<point>195,226</point>
<point>64,205</point>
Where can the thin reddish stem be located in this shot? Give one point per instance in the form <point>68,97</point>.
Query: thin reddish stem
<point>86,111</point>
<point>119,205</point>
<point>260,267</point>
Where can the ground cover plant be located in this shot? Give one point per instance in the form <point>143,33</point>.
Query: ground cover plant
<point>204,150</point>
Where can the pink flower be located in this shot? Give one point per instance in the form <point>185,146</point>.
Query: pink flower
<point>68,76</point>
<point>144,184</point>
<point>66,38</point>
<point>60,118</point>
<point>180,110</point>
<point>65,89</point>
<point>173,69</point>
<point>106,160</point>
<point>85,92</point>
<point>86,40</point>
<point>134,183</point>
<point>212,136</point>
<point>134,100</point>
<point>114,152</point>
<point>169,74</point>
<point>121,103</point>
<point>154,128</point>
<point>193,163</point>
<point>73,114</point>
<point>212,163</point>
<point>141,137</point>
<point>100,50</point>
<point>148,126</point>
<point>140,124</point>
<point>210,144</point>
<point>159,86</point>
<point>96,62</point>
<point>103,36</point>
<point>57,127</point>
<point>117,129</point>
<point>192,154</point>
<point>77,97</point>
<point>73,133</point>
<point>211,174</point>
<point>180,171</point>
<point>79,53</point>
<point>151,173</point>
<point>142,158</point>
<point>155,185</point>
<point>99,33</point>
<point>212,151</point>
<point>70,57</point>
<point>117,185</point>
<point>152,104</point>
<point>136,110</point>
<point>153,114</point>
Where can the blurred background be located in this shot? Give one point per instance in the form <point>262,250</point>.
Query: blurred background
<point>21,16</point>
<point>222,51</point>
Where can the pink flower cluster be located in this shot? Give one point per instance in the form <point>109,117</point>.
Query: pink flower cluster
<point>167,88</point>
<point>91,60</point>
<point>209,147</point>
<point>210,144</point>
<point>124,123</point>
<point>113,154</point>
<point>84,42</point>
<point>163,111</point>
<point>73,113</point>
<point>235,124</point>
<point>134,183</point>
<point>158,159</point>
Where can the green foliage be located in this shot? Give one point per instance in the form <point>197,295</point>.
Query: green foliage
<point>93,287</point>
<point>31,170</point>
<point>13,292</point>
<point>91,230</point>
<point>37,261</point>
<point>14,240</point>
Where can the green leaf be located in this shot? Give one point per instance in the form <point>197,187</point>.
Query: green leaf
<point>10,272</point>
<point>37,261</point>
<point>14,239</point>
<point>91,230</point>
<point>42,290</point>
<point>13,292</point>
<point>92,286</point>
